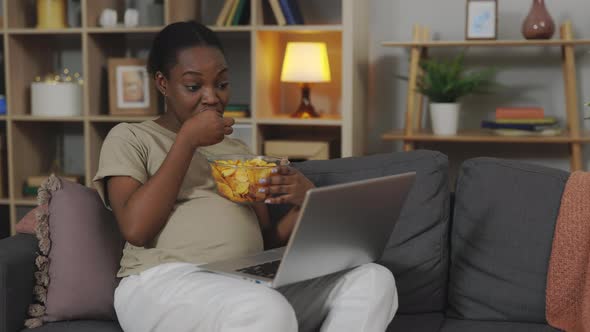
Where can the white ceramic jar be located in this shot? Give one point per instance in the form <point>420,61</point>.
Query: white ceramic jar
<point>56,99</point>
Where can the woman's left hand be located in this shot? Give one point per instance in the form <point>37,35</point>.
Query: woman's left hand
<point>286,185</point>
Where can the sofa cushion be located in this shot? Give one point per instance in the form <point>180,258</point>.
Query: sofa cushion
<point>78,326</point>
<point>501,238</point>
<point>429,322</point>
<point>80,248</point>
<point>457,325</point>
<point>417,251</point>
<point>17,265</point>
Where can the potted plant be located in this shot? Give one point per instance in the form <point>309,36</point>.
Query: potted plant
<point>444,82</point>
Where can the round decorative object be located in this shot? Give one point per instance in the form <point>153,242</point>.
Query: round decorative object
<point>538,24</point>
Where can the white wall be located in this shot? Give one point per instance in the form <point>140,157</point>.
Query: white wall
<point>531,76</point>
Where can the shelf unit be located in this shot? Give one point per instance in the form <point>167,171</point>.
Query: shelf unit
<point>413,132</point>
<point>254,52</point>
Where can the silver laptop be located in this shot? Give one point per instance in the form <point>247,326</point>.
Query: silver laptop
<point>339,227</point>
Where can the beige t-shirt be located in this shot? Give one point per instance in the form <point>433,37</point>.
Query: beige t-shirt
<point>203,226</point>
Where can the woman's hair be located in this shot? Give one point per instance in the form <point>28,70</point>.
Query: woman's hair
<point>174,38</point>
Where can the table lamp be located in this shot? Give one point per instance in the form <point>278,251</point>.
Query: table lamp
<point>305,63</point>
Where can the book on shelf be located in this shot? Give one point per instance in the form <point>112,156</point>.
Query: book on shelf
<point>278,13</point>
<point>240,13</point>
<point>237,111</point>
<point>244,18</point>
<point>224,13</point>
<point>291,11</point>
<point>297,12</point>
<point>548,126</point>
<point>519,126</point>
<point>520,133</point>
<point>260,11</point>
<point>232,12</point>
<point>29,191</point>
<point>519,113</point>
<point>538,121</point>
<point>237,114</point>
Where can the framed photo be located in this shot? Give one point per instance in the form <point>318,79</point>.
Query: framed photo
<point>481,20</point>
<point>131,90</point>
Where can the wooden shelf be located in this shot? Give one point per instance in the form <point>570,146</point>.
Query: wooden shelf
<point>488,43</point>
<point>34,31</point>
<point>575,138</point>
<point>34,118</point>
<point>4,201</point>
<point>98,30</point>
<point>300,28</point>
<point>26,202</point>
<point>237,28</point>
<point>286,120</point>
<point>113,118</point>
<point>483,136</point>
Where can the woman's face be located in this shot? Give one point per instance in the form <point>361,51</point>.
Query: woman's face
<point>199,81</point>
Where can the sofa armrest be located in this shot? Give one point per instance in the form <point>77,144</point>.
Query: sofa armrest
<point>17,267</point>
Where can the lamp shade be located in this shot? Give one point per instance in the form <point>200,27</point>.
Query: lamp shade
<point>306,63</point>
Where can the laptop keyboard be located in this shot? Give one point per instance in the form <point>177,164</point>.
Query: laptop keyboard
<point>266,270</point>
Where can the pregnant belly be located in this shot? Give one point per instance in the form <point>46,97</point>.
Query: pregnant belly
<point>210,228</point>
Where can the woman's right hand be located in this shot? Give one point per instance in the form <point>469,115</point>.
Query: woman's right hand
<point>206,128</point>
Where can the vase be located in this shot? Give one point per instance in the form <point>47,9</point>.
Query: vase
<point>538,24</point>
<point>444,118</point>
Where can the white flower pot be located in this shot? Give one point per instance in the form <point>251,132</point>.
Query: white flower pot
<point>444,118</point>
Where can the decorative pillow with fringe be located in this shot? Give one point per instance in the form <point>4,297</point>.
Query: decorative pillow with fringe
<point>79,252</point>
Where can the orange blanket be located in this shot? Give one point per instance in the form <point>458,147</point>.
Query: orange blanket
<point>568,279</point>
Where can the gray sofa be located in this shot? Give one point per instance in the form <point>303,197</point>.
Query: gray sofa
<point>472,261</point>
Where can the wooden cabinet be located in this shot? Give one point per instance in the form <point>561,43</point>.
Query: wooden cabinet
<point>254,51</point>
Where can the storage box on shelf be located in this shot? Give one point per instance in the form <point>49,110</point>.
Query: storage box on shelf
<point>413,133</point>
<point>254,51</point>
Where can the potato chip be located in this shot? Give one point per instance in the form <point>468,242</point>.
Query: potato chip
<point>242,188</point>
<point>228,171</point>
<point>225,190</point>
<point>242,175</point>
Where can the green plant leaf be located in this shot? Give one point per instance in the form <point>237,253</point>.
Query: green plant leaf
<point>445,81</point>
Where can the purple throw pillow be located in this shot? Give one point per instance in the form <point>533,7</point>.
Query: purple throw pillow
<point>28,223</point>
<point>80,250</point>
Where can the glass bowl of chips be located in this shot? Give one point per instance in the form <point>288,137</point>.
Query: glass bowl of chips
<point>238,175</point>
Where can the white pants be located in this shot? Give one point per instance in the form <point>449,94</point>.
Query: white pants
<point>177,297</point>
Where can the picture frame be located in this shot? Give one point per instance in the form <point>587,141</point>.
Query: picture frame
<point>481,20</point>
<point>131,89</point>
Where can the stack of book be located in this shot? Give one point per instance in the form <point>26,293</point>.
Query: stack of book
<point>522,121</point>
<point>234,12</point>
<point>237,111</point>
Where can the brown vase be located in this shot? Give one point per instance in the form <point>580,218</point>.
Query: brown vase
<point>538,24</point>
